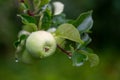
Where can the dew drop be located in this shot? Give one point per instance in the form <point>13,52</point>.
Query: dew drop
<point>69,57</point>
<point>78,64</point>
<point>16,60</point>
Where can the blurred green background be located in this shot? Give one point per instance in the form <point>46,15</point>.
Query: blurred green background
<point>105,35</point>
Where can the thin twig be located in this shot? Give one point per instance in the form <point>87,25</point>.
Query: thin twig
<point>66,52</point>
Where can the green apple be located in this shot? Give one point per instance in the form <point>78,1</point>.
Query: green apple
<point>41,44</point>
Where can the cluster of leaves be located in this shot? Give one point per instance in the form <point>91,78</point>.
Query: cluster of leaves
<point>71,35</point>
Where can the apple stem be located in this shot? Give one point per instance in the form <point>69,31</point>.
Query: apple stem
<point>66,52</point>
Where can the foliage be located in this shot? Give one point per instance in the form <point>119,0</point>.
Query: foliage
<point>38,15</point>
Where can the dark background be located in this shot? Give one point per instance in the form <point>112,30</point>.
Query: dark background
<point>105,42</point>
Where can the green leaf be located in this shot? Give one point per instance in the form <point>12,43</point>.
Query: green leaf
<point>27,19</point>
<point>60,41</point>
<point>84,22</point>
<point>30,27</point>
<point>17,43</point>
<point>23,7</point>
<point>68,31</point>
<point>59,19</point>
<point>27,4</point>
<point>85,37</point>
<point>44,2</point>
<point>46,21</point>
<point>21,38</point>
<point>40,5</point>
<point>36,4</point>
<point>78,59</point>
<point>93,59</point>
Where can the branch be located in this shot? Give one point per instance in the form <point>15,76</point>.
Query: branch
<point>66,52</point>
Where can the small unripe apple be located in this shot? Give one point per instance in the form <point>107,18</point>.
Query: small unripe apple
<point>41,44</point>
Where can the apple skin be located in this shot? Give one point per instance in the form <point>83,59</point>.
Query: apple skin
<point>41,44</point>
